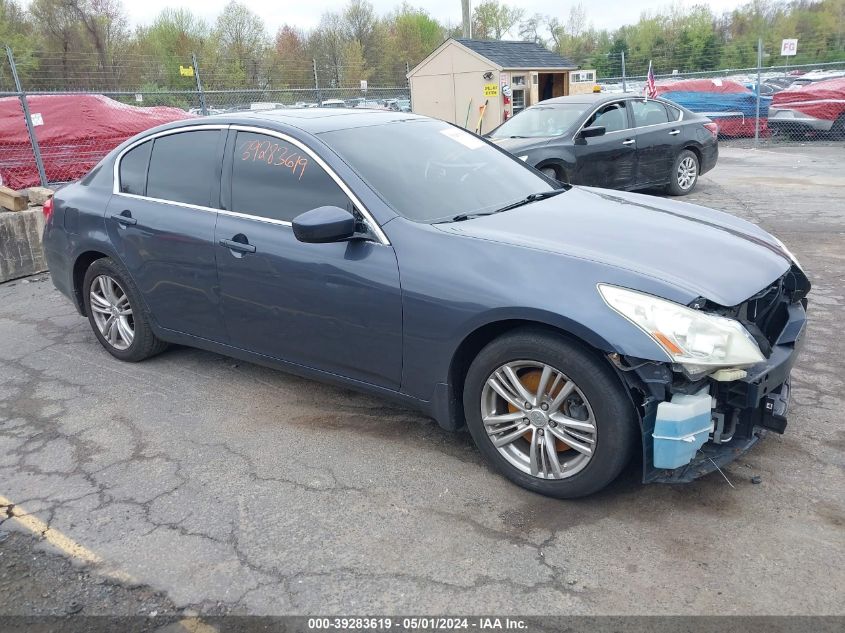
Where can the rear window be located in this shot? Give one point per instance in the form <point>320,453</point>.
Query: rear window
<point>674,113</point>
<point>182,167</point>
<point>649,113</point>
<point>133,169</point>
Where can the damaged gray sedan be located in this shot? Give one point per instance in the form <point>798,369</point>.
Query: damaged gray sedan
<point>567,327</point>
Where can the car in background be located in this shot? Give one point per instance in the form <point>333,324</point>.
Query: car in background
<point>569,328</point>
<point>815,109</point>
<point>333,103</point>
<point>372,104</point>
<point>617,142</point>
<point>729,104</point>
<point>398,105</point>
<point>74,133</point>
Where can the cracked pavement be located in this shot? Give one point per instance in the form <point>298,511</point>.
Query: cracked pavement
<point>218,486</point>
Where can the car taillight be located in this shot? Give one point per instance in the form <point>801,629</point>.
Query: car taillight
<point>48,208</point>
<point>712,128</point>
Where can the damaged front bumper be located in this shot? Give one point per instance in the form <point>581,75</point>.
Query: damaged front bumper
<point>740,413</point>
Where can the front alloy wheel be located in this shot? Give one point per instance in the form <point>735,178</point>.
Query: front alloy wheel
<point>538,419</point>
<point>549,413</point>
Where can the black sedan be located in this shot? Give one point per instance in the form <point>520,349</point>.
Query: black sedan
<point>613,141</point>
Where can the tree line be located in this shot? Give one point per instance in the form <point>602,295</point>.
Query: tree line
<point>88,44</point>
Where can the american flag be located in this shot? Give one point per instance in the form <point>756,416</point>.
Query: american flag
<point>650,88</point>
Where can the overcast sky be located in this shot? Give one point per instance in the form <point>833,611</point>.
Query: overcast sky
<point>306,13</point>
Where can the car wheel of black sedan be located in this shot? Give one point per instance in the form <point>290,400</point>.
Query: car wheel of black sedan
<point>684,174</point>
<point>116,313</point>
<point>548,415</point>
<point>837,131</point>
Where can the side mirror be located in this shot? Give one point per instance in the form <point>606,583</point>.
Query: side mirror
<point>595,130</point>
<point>323,225</point>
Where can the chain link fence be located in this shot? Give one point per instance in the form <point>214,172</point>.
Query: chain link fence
<point>79,108</point>
<point>756,104</point>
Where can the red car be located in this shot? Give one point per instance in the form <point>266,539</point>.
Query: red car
<point>816,109</point>
<point>73,131</point>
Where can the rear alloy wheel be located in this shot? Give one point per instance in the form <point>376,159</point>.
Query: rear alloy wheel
<point>116,312</point>
<point>684,174</point>
<point>548,414</point>
<point>112,312</point>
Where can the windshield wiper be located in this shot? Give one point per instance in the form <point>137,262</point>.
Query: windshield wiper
<point>531,197</point>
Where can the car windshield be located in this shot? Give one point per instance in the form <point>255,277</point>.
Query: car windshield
<point>429,171</point>
<point>541,120</point>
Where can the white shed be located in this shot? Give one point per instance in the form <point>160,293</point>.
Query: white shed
<point>462,75</point>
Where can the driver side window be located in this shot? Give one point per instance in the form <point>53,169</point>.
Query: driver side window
<point>274,179</point>
<point>613,117</point>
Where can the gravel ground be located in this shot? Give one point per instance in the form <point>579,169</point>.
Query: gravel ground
<point>195,482</point>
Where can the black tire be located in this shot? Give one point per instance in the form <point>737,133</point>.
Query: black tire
<point>675,188</point>
<point>614,415</point>
<point>144,343</point>
<point>555,172</point>
<point>837,130</point>
<point>551,172</point>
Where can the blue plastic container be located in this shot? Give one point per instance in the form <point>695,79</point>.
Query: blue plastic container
<point>681,427</point>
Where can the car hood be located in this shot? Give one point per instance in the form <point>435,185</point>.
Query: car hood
<point>519,145</point>
<point>701,251</point>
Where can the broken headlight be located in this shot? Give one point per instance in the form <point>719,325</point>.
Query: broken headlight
<point>700,342</point>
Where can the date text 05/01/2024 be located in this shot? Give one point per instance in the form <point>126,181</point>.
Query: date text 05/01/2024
<point>417,623</point>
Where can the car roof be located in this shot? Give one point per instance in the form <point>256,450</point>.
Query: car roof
<point>589,98</point>
<point>310,120</point>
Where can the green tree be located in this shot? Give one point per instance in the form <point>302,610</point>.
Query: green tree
<point>493,20</point>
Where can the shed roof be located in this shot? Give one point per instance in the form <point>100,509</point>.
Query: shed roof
<point>511,54</point>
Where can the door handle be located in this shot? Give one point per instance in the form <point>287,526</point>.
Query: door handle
<point>629,141</point>
<point>236,246</point>
<point>124,218</point>
<point>673,132</point>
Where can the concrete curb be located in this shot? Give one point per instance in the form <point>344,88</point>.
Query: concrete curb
<point>21,253</point>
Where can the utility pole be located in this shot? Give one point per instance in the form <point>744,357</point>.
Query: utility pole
<point>466,14</point>
<point>757,108</point>
<point>33,140</point>
<point>203,107</point>
<point>317,84</point>
<point>624,85</point>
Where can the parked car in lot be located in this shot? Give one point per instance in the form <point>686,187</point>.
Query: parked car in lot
<point>333,103</point>
<point>567,327</point>
<point>812,109</point>
<point>74,133</point>
<point>612,141</point>
<point>729,104</point>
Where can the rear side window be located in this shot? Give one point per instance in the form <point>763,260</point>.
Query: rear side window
<point>133,169</point>
<point>674,113</point>
<point>274,179</point>
<point>649,113</point>
<point>612,117</point>
<point>182,167</point>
